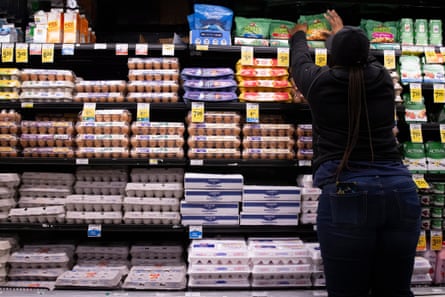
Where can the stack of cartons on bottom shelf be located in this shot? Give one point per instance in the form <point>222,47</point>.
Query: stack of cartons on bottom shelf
<point>8,192</point>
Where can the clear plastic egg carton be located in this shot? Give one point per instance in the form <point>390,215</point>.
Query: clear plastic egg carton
<point>171,97</point>
<point>50,214</point>
<point>157,128</point>
<point>102,152</point>
<point>102,140</point>
<point>47,178</point>
<point>8,152</point>
<point>99,97</point>
<point>85,127</point>
<point>7,140</point>
<point>153,63</point>
<point>100,278</point>
<point>9,85</point>
<point>152,218</point>
<point>268,142</point>
<point>26,274</point>
<point>99,188</point>
<point>53,86</point>
<point>52,152</point>
<point>47,127</point>
<point>153,86</point>
<point>9,96</point>
<point>157,175</point>
<point>9,128</point>
<point>7,193</point>
<point>9,180</point>
<point>35,260</point>
<point>46,74</point>
<point>10,116</point>
<point>31,284</point>
<point>150,204</point>
<point>93,203</point>
<point>156,278</point>
<point>218,117</point>
<point>153,74</point>
<point>27,202</point>
<point>215,129</point>
<point>268,130</point>
<point>46,191</point>
<point>161,251</point>
<point>108,251</point>
<point>101,175</point>
<point>213,153</point>
<point>101,86</point>
<point>10,73</point>
<point>46,140</point>
<point>94,264</point>
<point>217,142</point>
<point>219,271</point>
<point>45,97</point>
<point>94,217</point>
<point>269,154</point>
<point>155,190</point>
<point>157,141</point>
<point>157,152</point>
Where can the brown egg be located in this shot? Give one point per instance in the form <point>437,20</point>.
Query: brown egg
<point>140,65</point>
<point>124,154</point>
<point>156,64</point>
<point>131,76</point>
<point>140,87</point>
<point>120,98</point>
<point>125,130</point>
<point>89,155</point>
<point>112,88</point>
<point>59,77</point>
<point>106,155</point>
<point>51,77</point>
<point>69,154</point>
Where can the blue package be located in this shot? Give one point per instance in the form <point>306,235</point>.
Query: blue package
<point>191,20</point>
<point>212,17</point>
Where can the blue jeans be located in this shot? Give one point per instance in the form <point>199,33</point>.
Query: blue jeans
<point>368,236</point>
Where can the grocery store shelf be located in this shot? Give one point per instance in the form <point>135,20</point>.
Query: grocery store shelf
<point>258,230</point>
<point>248,163</point>
<point>93,162</point>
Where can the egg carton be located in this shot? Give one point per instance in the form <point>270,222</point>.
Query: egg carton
<point>152,217</point>
<point>421,279</point>
<point>159,190</point>
<point>33,284</point>
<point>100,278</point>
<point>9,180</point>
<point>282,271</point>
<point>47,127</point>
<point>50,214</point>
<point>45,96</point>
<point>41,86</point>
<point>25,274</point>
<point>104,251</point>
<point>315,252</point>
<point>103,86</point>
<point>421,265</point>
<point>101,175</point>
<point>44,191</point>
<point>50,248</point>
<point>47,178</point>
<point>271,256</point>
<point>150,204</point>
<point>219,283</point>
<point>93,217</point>
<point>157,175</point>
<point>93,203</point>
<point>286,283</point>
<point>99,188</point>
<point>156,278</point>
<point>24,259</point>
<point>7,193</point>
<point>197,272</point>
<point>160,260</point>
<point>7,204</point>
<point>28,202</point>
<point>157,252</point>
<point>94,264</point>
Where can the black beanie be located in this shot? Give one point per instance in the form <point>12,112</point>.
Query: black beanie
<point>349,46</point>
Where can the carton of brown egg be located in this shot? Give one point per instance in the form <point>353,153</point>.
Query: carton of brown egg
<point>46,75</point>
<point>303,134</point>
<point>9,128</point>
<point>100,91</point>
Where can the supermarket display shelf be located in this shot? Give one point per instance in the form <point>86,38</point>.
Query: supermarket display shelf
<point>263,230</point>
<point>115,46</point>
<point>250,163</point>
<point>93,161</point>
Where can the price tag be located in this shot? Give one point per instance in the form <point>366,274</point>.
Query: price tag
<point>48,53</point>
<point>153,161</point>
<point>82,161</point>
<point>416,133</point>
<point>421,244</point>
<point>27,105</point>
<point>304,163</point>
<point>436,240</point>
<point>195,232</point>
<point>420,181</point>
<point>168,49</point>
<point>252,113</point>
<point>195,162</point>
<point>439,93</point>
<point>35,49</point>
<point>247,55</point>
<point>202,47</point>
<point>442,132</point>
<point>100,46</point>
<point>143,112</point>
<point>197,112</point>
<point>21,52</point>
<point>68,49</point>
<point>7,52</point>
<point>89,111</point>
<point>389,59</point>
<point>94,230</point>
<point>430,55</point>
<point>141,49</point>
<point>321,56</point>
<point>121,49</point>
<point>283,56</point>
<point>415,92</point>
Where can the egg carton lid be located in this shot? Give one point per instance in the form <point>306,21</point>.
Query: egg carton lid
<point>282,269</point>
<point>91,278</point>
<point>154,186</point>
<point>94,199</point>
<point>218,244</point>
<point>158,137</point>
<point>49,248</point>
<point>223,283</point>
<point>93,215</point>
<point>218,269</point>
<point>26,202</point>
<point>37,273</point>
<point>45,189</point>
<point>9,179</point>
<point>97,184</point>
<point>37,211</point>
<point>92,267</point>
<point>32,284</point>
<point>33,257</point>
<point>156,248</point>
<point>106,248</point>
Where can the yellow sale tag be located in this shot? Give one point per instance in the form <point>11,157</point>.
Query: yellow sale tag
<point>252,113</point>
<point>389,59</point>
<point>89,112</point>
<point>420,181</point>
<point>416,133</point>
<point>7,52</point>
<point>247,55</point>
<point>321,57</point>
<point>153,161</point>
<point>415,92</point>
<point>27,105</point>
<point>48,53</point>
<point>202,47</point>
<point>143,112</point>
<point>430,55</point>
<point>168,49</point>
<point>21,53</point>
<point>197,112</point>
<point>436,240</point>
<point>421,244</point>
<point>442,132</point>
<point>439,93</point>
<point>283,56</point>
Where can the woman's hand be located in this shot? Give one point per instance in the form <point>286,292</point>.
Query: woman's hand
<point>298,27</point>
<point>334,20</point>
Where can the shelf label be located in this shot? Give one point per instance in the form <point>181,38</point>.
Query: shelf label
<point>89,111</point>
<point>430,55</point>
<point>153,161</point>
<point>68,49</point>
<point>304,163</point>
<point>420,181</point>
<point>48,53</point>
<point>82,161</point>
<point>121,49</point>
<point>416,133</point>
<point>143,112</point>
<point>94,230</point>
<point>168,49</point>
<point>421,244</point>
<point>436,240</point>
<point>27,105</point>
<point>100,46</point>
<point>196,162</point>
<point>197,112</point>
<point>252,113</point>
<point>21,52</point>
<point>415,90</point>
<point>389,59</point>
<point>321,57</point>
<point>7,52</point>
<point>195,232</point>
<point>442,132</point>
<point>247,55</point>
<point>35,49</point>
<point>439,93</point>
<point>283,56</point>
<point>202,47</point>
<point>141,49</point>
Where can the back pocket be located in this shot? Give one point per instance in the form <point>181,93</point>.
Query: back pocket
<point>349,208</point>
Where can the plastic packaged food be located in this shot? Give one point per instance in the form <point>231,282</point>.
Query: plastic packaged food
<point>46,74</point>
<point>268,130</point>
<point>268,142</point>
<point>274,154</point>
<point>99,97</point>
<point>153,97</point>
<point>217,117</point>
<point>214,153</point>
<point>10,116</point>
<point>102,152</point>
<point>12,86</point>
<point>102,140</point>
<point>318,27</point>
<point>101,86</point>
<point>202,73</point>
<point>265,97</point>
<point>46,140</point>
<point>154,190</point>
<point>280,29</point>
<point>9,73</point>
<point>157,141</point>
<point>214,142</point>
<point>257,28</point>
<point>153,74</point>
<point>216,129</point>
<point>8,140</point>
<point>220,85</point>
<point>153,63</point>
<point>46,96</point>
<point>111,115</point>
<point>153,86</point>
<point>46,86</point>
<point>161,128</point>
<point>86,127</point>
<point>157,152</point>
<point>210,96</point>
<point>47,127</point>
<point>52,152</point>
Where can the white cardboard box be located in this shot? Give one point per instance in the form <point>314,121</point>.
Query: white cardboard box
<point>213,181</point>
<point>191,208</point>
<point>265,207</point>
<point>197,195</point>
<point>271,193</point>
<point>209,220</point>
<point>268,219</point>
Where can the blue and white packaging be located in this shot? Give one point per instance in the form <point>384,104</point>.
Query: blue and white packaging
<point>265,207</point>
<point>190,208</point>
<point>213,181</point>
<point>269,219</point>
<point>199,195</point>
<point>210,220</point>
<point>271,193</point>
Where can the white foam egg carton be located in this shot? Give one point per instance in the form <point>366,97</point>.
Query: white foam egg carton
<point>159,190</point>
<point>25,274</point>
<point>156,278</point>
<point>93,203</point>
<point>9,180</point>
<point>45,191</point>
<point>101,175</point>
<point>218,283</point>
<point>33,284</point>
<point>315,252</point>
<point>270,254</point>
<point>219,271</point>
<point>157,175</point>
<point>26,202</point>
<point>146,250</point>
<point>50,214</point>
<point>150,204</point>
<point>276,283</point>
<point>219,257</point>
<point>24,259</point>
<point>99,188</point>
<point>156,261</point>
<point>421,279</point>
<point>152,217</point>
<point>308,218</point>
<point>7,204</point>
<point>7,193</point>
<point>310,194</point>
<point>100,278</point>
<point>94,217</point>
<point>421,265</point>
<point>47,178</point>
<point>282,271</point>
<point>123,269</point>
<point>109,251</point>
<point>50,248</point>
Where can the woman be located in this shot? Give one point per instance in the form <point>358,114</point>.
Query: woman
<point>368,220</point>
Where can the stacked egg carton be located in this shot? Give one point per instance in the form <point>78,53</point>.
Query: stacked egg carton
<point>152,196</point>
<point>9,129</point>
<point>8,245</point>
<point>99,266</point>
<point>10,92</point>
<point>279,262</point>
<point>104,136</point>
<point>100,91</point>
<point>264,81</point>
<point>9,183</point>
<point>209,84</point>
<point>309,199</point>
<point>40,264</point>
<point>156,266</point>
<point>218,137</point>
<point>218,263</point>
<point>303,135</point>
<point>47,85</point>
<point>421,273</point>
<point>211,199</point>
<point>42,197</point>
<point>153,80</point>
<point>157,139</point>
<point>318,277</point>
<point>98,192</point>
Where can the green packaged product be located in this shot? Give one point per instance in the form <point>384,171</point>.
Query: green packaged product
<point>380,32</point>
<point>435,32</point>
<point>252,27</point>
<point>280,29</point>
<point>414,157</point>
<point>415,112</point>
<point>406,27</point>
<point>318,27</point>
<point>421,32</point>
<point>435,155</point>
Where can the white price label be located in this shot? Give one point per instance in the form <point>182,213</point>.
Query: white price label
<point>168,49</point>
<point>67,49</point>
<point>141,49</point>
<point>122,49</point>
<point>35,49</point>
<point>247,55</point>
<point>100,46</point>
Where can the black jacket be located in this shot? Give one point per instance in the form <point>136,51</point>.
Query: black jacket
<point>326,90</point>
